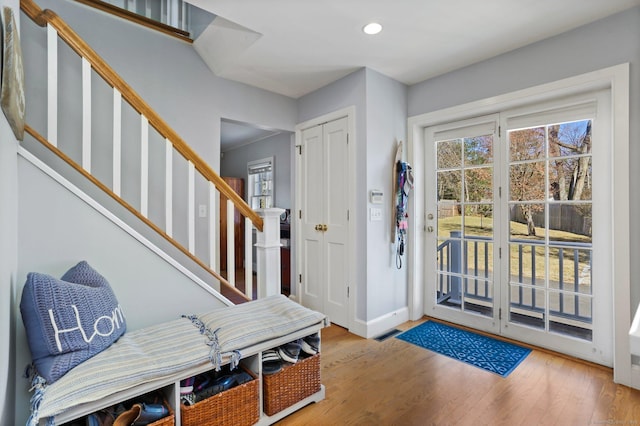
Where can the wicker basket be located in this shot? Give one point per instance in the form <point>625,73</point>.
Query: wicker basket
<point>292,384</point>
<point>239,405</point>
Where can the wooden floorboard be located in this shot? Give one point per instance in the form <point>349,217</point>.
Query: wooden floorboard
<point>396,383</point>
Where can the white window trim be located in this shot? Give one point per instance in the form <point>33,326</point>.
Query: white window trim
<point>615,79</point>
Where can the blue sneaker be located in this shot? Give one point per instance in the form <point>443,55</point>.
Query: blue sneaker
<point>311,344</point>
<point>220,384</point>
<point>271,362</point>
<point>290,351</point>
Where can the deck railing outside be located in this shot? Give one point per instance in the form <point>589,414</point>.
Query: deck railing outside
<point>465,272</point>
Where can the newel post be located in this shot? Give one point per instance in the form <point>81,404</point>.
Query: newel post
<point>268,253</point>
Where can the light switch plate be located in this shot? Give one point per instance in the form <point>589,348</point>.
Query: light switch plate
<point>375,214</point>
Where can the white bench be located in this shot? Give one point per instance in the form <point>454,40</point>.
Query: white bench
<point>158,357</point>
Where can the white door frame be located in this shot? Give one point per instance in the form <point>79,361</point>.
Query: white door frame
<point>350,113</point>
<point>615,79</point>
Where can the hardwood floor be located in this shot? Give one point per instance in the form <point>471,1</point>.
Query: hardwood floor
<point>396,383</point>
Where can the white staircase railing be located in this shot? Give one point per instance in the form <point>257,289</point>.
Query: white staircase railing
<point>150,130</point>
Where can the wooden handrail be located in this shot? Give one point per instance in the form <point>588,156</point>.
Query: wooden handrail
<point>37,136</point>
<point>47,16</point>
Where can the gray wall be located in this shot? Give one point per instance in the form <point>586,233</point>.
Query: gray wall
<point>8,257</point>
<point>386,125</point>
<point>56,230</point>
<point>280,147</point>
<point>610,41</point>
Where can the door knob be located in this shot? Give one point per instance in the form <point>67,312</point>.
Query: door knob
<point>324,228</point>
<point>318,227</point>
<point>429,228</point>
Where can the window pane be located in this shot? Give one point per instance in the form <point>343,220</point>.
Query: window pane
<point>478,220</point>
<point>527,306</point>
<point>449,220</point>
<point>478,150</point>
<point>478,296</point>
<point>449,154</point>
<point>479,258</point>
<point>527,264</point>
<point>478,184</point>
<point>449,290</point>
<point>570,223</point>
<point>450,185</point>
<point>527,182</point>
<point>526,144</point>
<point>570,314</point>
<point>572,138</point>
<point>527,222</point>
<point>570,269</point>
<point>570,178</point>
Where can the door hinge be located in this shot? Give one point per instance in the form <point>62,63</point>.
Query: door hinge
<point>499,252</point>
<point>299,278</point>
<point>299,149</point>
<point>499,192</point>
<point>500,314</point>
<point>299,214</point>
<point>499,131</point>
<point>347,215</point>
<point>347,292</point>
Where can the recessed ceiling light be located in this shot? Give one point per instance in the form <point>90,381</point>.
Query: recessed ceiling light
<point>372,28</point>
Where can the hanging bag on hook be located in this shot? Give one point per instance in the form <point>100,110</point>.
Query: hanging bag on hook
<point>405,185</point>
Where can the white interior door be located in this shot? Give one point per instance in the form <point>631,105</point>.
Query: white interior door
<point>323,218</point>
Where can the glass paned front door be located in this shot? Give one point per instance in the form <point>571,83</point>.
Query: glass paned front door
<point>518,207</point>
<point>550,238</point>
<point>465,207</point>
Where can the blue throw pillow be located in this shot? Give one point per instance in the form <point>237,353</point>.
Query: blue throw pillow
<point>69,320</point>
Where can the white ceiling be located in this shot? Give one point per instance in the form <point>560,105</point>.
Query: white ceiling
<point>234,134</point>
<point>294,47</point>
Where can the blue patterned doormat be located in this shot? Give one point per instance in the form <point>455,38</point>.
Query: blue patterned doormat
<point>481,351</point>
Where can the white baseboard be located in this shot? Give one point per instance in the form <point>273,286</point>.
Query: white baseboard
<point>379,325</point>
<point>635,376</point>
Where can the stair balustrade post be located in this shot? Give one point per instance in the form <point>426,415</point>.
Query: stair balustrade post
<point>268,253</point>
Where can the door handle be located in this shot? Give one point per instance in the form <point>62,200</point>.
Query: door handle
<point>321,227</point>
<point>318,227</point>
<point>324,228</point>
